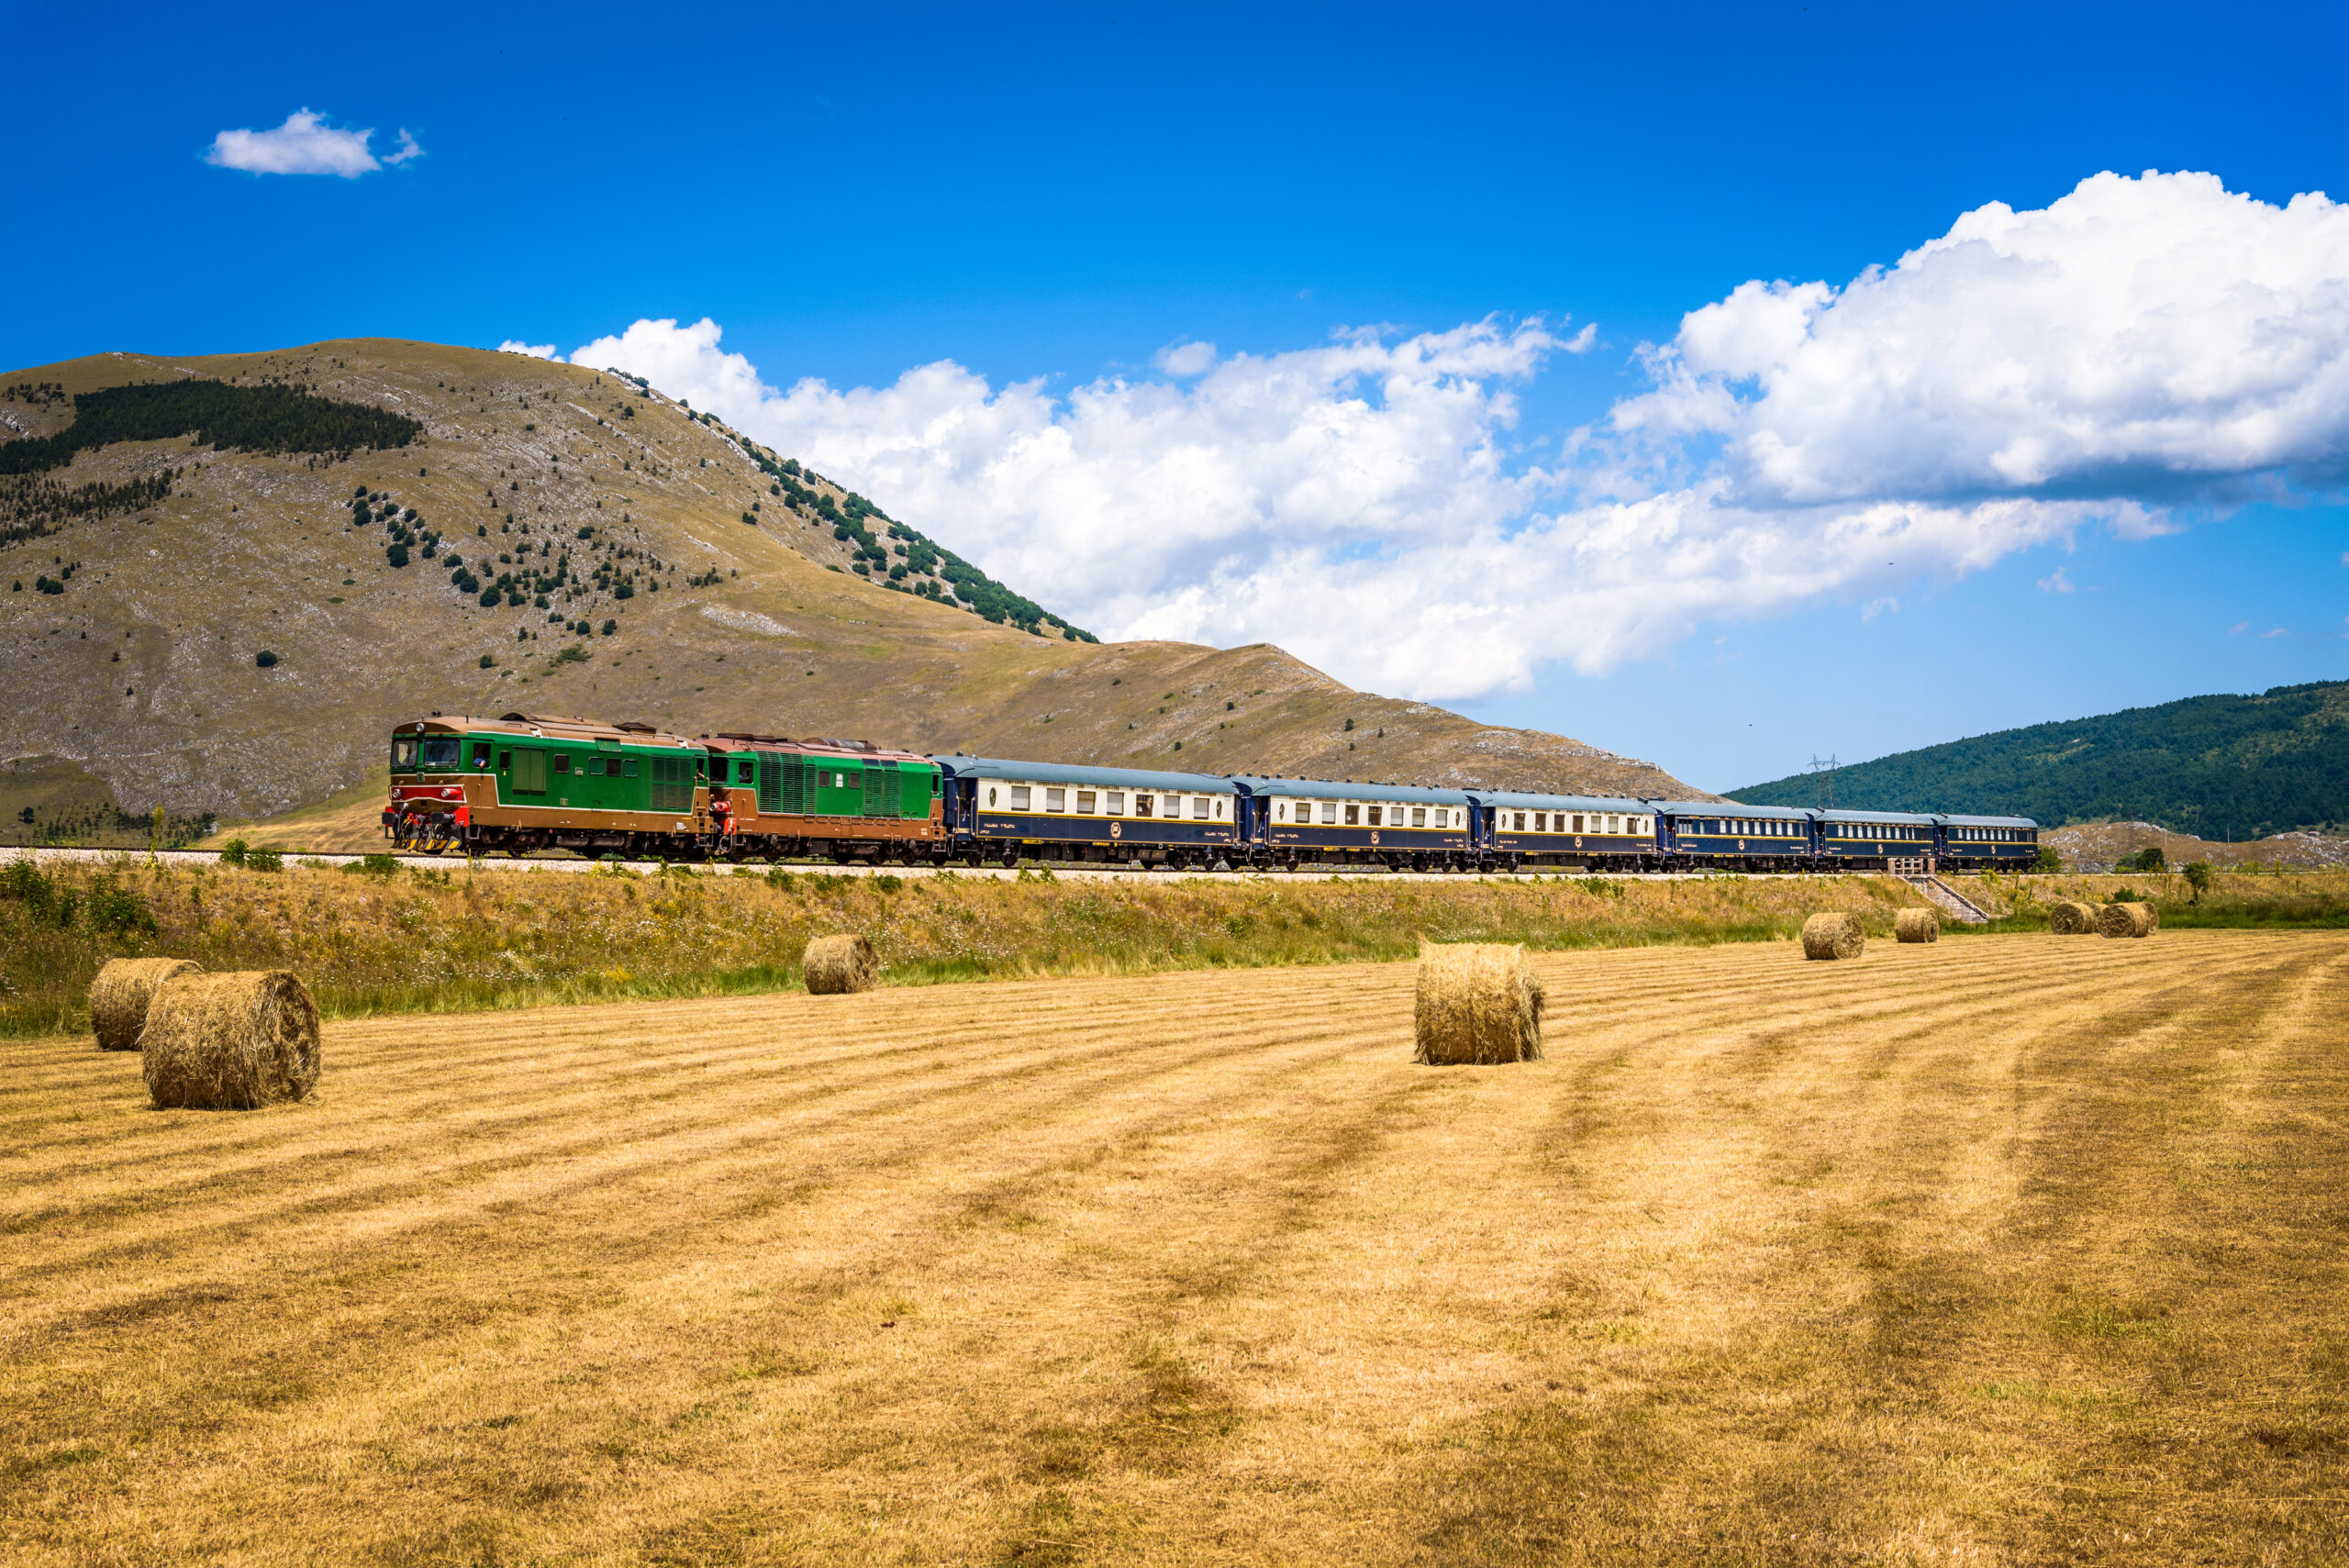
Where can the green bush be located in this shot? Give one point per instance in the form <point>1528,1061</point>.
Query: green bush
<point>264,659</point>
<point>233,853</point>
<point>116,911</point>
<point>258,858</point>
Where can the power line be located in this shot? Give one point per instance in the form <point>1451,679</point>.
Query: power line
<point>1825,771</point>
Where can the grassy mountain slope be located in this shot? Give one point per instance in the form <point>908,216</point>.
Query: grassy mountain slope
<point>2226,767</point>
<point>142,671</point>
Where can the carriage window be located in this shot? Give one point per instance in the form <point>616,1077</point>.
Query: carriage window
<point>1218,807</point>
<point>1143,804</point>
<point>1056,800</point>
<point>1113,803</point>
<point>1200,805</point>
<point>1085,798</point>
<point>1353,816</point>
<point>1170,806</point>
<point>1541,822</point>
<point>990,795</point>
<point>1577,824</point>
<point>1328,811</point>
<point>1418,816</point>
<point>1019,797</point>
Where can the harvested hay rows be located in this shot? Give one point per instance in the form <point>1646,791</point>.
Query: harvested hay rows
<point>1178,1268</point>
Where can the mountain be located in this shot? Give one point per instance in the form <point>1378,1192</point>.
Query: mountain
<point>230,576</point>
<point>2225,767</point>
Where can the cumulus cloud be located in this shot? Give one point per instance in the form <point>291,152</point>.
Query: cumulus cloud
<point>536,350</point>
<point>304,144</point>
<point>1371,503</point>
<point>2161,338</point>
<point>2056,583</point>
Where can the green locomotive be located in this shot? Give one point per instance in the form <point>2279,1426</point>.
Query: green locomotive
<point>526,781</point>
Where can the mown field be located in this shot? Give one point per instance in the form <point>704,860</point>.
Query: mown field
<point>2013,1250</point>
<point>507,936</point>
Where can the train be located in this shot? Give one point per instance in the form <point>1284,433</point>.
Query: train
<point>524,782</point>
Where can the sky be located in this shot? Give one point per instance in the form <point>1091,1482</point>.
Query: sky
<point>1726,386</point>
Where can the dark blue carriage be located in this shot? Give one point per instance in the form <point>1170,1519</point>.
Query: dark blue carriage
<point>1875,840</point>
<point>1007,811</point>
<point>1722,835</point>
<point>1987,843</point>
<point>1593,832</point>
<point>1292,822</point>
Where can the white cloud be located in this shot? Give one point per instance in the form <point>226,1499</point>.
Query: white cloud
<point>304,144</point>
<point>2157,339</point>
<point>1185,359</point>
<point>2055,583</point>
<point>2239,627</point>
<point>2276,631</point>
<point>536,350</point>
<point>1369,505</point>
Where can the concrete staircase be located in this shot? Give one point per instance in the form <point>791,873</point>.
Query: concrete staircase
<point>1959,907</point>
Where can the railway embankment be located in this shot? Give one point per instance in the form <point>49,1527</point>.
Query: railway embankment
<point>377,937</point>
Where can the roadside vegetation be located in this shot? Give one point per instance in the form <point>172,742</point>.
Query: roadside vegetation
<point>375,938</point>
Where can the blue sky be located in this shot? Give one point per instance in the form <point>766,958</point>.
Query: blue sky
<point>1061,196</point>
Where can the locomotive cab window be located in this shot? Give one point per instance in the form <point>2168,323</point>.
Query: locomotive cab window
<point>441,753</point>
<point>481,754</point>
<point>742,771</point>
<point>404,753</point>
<point>505,761</point>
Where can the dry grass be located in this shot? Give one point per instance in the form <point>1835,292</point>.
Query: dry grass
<point>2004,1249</point>
<point>506,936</point>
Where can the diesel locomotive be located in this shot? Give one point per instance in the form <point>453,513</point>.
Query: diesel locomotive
<point>524,782</point>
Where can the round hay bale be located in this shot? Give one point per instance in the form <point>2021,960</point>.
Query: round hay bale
<point>2125,920</point>
<point>1917,925</point>
<point>2152,916</point>
<point>835,965</point>
<point>231,1042</point>
<point>2070,917</point>
<point>1833,936</point>
<point>118,996</point>
<point>1478,1004</point>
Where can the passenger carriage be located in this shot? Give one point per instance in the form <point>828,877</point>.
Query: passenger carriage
<point>845,800</point>
<point>1727,835</point>
<point>1007,811</point>
<point>1558,831</point>
<point>1292,822</point>
<point>1877,840</point>
<point>1987,843</point>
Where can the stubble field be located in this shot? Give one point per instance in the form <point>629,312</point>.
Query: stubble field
<point>2017,1248</point>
